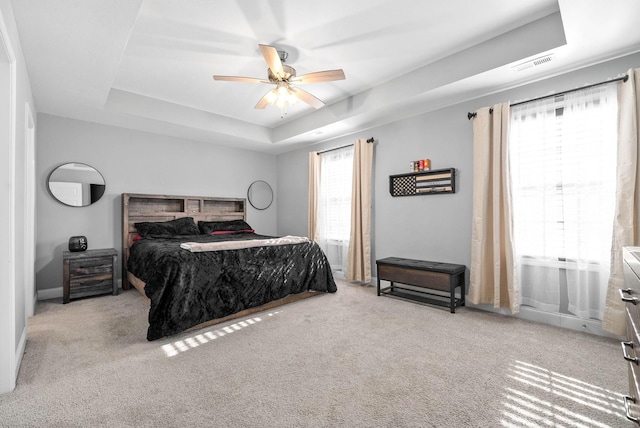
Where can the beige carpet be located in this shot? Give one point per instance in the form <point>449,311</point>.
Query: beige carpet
<point>350,359</point>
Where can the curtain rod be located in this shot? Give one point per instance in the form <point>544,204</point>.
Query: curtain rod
<point>617,79</point>
<point>370,140</point>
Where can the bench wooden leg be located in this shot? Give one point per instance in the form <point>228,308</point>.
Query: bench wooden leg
<point>452,296</point>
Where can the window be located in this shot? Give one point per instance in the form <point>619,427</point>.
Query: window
<point>334,216</point>
<point>563,170</point>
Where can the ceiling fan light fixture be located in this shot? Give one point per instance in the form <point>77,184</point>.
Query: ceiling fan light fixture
<point>283,90</point>
<point>271,97</point>
<point>281,96</point>
<point>281,103</point>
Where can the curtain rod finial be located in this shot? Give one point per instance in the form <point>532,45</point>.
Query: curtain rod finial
<point>471,115</point>
<point>370,140</point>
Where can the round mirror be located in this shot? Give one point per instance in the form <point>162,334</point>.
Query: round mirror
<point>76,184</point>
<point>260,195</point>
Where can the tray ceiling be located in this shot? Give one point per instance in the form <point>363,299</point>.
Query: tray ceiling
<point>148,64</point>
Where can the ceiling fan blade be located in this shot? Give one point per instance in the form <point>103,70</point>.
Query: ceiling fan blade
<point>320,76</point>
<point>240,79</point>
<point>263,102</point>
<point>308,98</point>
<point>273,60</point>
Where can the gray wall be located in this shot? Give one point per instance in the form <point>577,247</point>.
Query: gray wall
<point>435,227</point>
<point>432,227</point>
<point>131,162</point>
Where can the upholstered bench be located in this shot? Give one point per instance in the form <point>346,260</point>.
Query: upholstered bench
<point>422,276</point>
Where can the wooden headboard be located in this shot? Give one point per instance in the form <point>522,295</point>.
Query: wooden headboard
<point>153,208</point>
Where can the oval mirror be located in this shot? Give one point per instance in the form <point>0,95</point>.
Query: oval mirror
<point>260,195</point>
<point>76,184</point>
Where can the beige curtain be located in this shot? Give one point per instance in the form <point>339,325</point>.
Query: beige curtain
<point>314,189</point>
<point>359,259</point>
<point>492,274</point>
<point>625,229</point>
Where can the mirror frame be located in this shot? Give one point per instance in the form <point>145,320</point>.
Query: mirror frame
<point>54,196</point>
<point>252,202</point>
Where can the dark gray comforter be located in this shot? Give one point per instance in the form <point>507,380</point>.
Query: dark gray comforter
<point>187,288</point>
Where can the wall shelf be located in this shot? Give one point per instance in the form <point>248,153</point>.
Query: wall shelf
<point>423,183</point>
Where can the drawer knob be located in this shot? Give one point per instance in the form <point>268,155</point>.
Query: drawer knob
<point>626,356</point>
<point>633,300</point>
<point>627,408</point>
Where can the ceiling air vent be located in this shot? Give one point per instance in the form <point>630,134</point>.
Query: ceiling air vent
<point>533,63</point>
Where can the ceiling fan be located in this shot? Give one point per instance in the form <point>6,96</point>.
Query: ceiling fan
<point>284,77</point>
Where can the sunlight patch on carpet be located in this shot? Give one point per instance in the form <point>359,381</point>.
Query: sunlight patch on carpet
<point>540,397</point>
<point>201,338</point>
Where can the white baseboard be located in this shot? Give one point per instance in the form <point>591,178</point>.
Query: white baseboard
<point>338,275</point>
<point>32,309</point>
<point>50,293</point>
<point>558,320</point>
<point>20,350</point>
<point>565,321</point>
<point>56,293</point>
<point>341,275</point>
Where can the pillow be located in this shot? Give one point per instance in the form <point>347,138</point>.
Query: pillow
<point>226,232</point>
<point>179,226</point>
<point>207,227</point>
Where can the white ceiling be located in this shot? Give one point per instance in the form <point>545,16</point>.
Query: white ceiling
<point>148,64</point>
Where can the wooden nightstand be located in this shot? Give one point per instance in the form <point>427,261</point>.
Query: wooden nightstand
<point>89,273</point>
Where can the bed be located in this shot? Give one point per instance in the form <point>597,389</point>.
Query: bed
<point>199,263</point>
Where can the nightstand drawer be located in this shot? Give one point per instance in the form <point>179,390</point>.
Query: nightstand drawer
<point>91,265</point>
<point>90,289</point>
<point>79,279</point>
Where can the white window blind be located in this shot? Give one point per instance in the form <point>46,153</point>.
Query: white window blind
<point>334,216</point>
<point>562,154</point>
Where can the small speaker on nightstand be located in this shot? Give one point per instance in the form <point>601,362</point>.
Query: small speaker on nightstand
<point>78,243</point>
